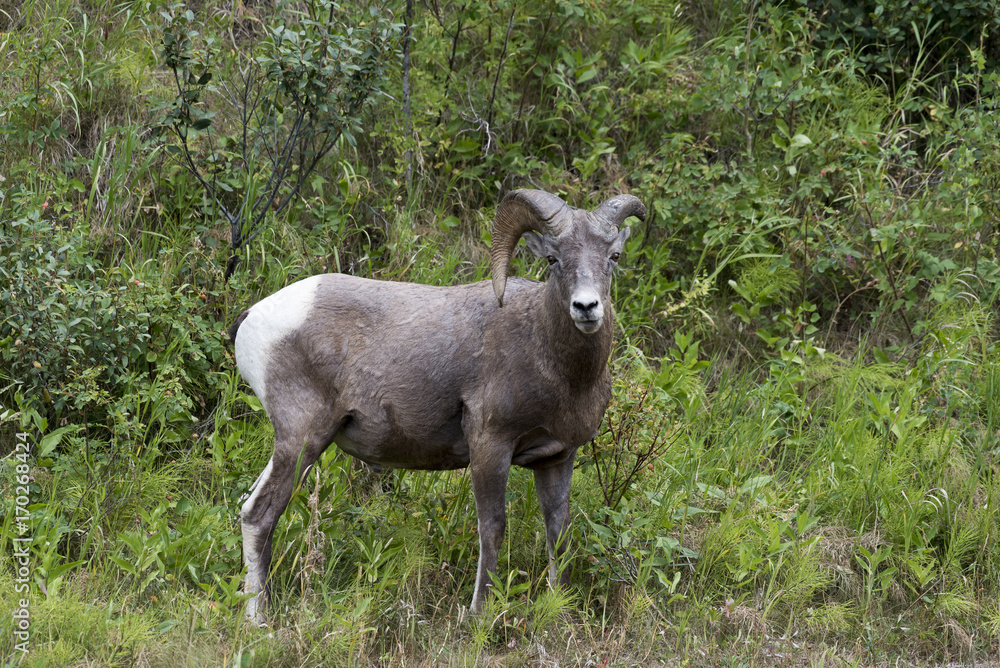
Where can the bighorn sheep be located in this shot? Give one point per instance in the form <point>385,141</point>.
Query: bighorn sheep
<point>421,377</point>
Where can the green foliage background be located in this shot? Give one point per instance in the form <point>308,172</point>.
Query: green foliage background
<point>800,460</point>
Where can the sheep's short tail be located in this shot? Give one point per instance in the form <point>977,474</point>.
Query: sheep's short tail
<point>236,325</point>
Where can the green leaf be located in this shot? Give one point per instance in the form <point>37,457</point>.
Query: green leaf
<point>800,140</point>
<point>51,440</point>
<point>740,312</point>
<point>753,485</point>
<point>252,401</point>
<point>316,183</point>
<point>56,571</point>
<point>167,625</point>
<point>782,127</point>
<point>124,565</point>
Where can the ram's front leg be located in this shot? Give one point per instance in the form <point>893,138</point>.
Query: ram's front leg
<point>489,471</point>
<point>552,485</point>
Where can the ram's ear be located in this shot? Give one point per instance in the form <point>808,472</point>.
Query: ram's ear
<point>536,243</point>
<point>624,235</point>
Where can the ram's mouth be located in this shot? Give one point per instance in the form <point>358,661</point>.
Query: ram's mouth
<point>588,326</point>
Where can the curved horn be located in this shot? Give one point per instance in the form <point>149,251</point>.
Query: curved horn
<point>615,210</point>
<point>520,211</point>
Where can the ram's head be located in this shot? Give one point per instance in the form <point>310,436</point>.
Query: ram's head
<point>581,247</point>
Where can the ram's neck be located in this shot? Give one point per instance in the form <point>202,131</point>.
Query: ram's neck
<point>582,357</point>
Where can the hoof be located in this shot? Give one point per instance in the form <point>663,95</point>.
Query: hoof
<point>255,612</point>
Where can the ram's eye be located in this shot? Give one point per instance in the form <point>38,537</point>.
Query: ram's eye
<point>551,259</point>
<point>615,256</point>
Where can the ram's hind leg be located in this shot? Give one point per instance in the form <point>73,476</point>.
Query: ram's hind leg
<point>255,520</point>
<point>295,449</point>
<point>552,485</point>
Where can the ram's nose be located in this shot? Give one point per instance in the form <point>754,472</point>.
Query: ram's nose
<point>586,311</point>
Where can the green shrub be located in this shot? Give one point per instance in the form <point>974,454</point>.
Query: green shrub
<point>896,41</point>
<point>110,347</point>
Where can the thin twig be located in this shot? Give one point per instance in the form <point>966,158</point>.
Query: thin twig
<point>888,272</point>
<point>503,56</point>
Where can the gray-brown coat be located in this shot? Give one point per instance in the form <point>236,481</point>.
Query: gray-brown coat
<point>422,377</point>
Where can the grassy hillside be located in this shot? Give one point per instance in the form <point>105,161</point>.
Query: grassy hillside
<point>800,463</point>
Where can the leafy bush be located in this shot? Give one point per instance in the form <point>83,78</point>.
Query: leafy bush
<point>108,347</point>
<point>899,40</point>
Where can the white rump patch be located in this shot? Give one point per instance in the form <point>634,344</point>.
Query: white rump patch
<point>268,322</point>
